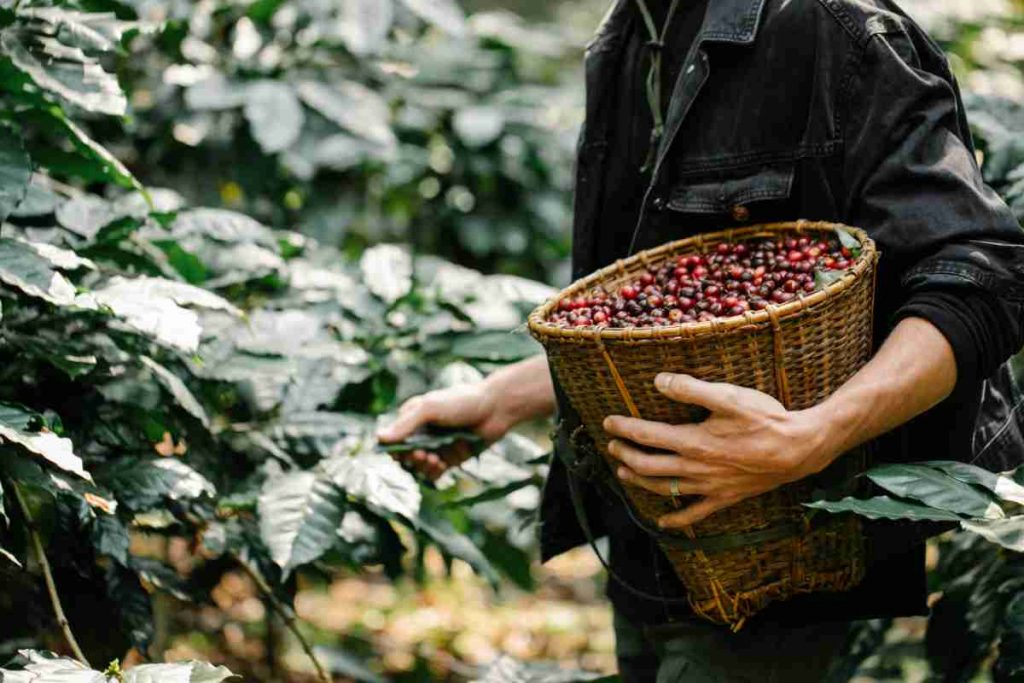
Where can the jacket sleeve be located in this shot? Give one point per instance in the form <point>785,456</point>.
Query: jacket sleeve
<point>950,246</point>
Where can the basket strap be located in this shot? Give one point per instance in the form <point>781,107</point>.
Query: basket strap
<point>581,517</point>
<point>781,380</point>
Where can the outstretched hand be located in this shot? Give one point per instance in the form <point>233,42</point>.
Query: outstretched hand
<point>469,406</point>
<point>749,444</point>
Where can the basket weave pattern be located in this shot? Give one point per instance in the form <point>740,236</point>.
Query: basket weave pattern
<point>799,352</point>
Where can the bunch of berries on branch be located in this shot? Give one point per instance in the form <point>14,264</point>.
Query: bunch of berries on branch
<point>729,281</point>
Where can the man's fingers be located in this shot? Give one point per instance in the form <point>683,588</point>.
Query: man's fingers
<point>414,413</point>
<point>662,485</point>
<point>692,514</point>
<point>718,397</point>
<point>655,434</point>
<point>661,465</point>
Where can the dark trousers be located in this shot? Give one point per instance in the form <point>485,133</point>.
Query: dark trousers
<point>701,652</point>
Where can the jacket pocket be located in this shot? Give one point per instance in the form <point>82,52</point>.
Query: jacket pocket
<point>733,194</point>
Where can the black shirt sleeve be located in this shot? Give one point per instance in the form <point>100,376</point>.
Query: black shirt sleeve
<point>972,321</point>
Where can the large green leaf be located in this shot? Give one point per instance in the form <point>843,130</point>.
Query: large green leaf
<point>375,479</point>
<point>495,346</point>
<point>105,164</point>
<point>177,390</point>
<point>63,69</point>
<point>490,494</point>
<point>143,485</point>
<point>15,171</point>
<point>387,271</point>
<point>110,538</point>
<point>364,24</point>
<point>53,449</point>
<point>161,308</point>
<point>40,667</point>
<point>442,533</point>
<point>46,667</point>
<point>8,556</point>
<point>39,200</point>
<point>478,125</point>
<point>445,14</point>
<point>435,439</point>
<point>24,268</point>
<point>966,614</point>
<point>132,604</point>
<point>883,507</point>
<point>223,226</point>
<point>215,93</point>
<point>353,107</point>
<point>1003,486</point>
<point>315,435</point>
<point>300,513</point>
<point>1009,666</point>
<point>186,672</point>
<point>1008,532</point>
<point>935,489</point>
<point>274,114</point>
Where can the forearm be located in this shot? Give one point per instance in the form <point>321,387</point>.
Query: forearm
<point>913,370</point>
<point>524,390</point>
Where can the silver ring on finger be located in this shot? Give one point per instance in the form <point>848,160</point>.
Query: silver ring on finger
<point>673,488</point>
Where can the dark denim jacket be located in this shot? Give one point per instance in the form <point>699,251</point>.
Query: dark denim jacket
<point>839,110</point>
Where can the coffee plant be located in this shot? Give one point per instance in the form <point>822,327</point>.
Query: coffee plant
<point>360,122</point>
<point>223,233</point>
<point>178,372</point>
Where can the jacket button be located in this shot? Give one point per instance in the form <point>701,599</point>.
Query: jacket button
<point>740,213</point>
<point>658,203</point>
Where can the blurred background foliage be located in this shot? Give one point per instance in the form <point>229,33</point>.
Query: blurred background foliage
<point>339,126</point>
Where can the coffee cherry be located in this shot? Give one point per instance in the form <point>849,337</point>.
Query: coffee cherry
<point>731,280</point>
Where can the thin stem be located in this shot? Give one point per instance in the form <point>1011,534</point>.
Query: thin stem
<point>51,587</point>
<point>285,612</point>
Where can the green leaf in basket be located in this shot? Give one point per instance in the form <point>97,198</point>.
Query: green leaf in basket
<point>849,241</point>
<point>936,490</point>
<point>884,507</point>
<point>434,439</point>
<point>823,278</point>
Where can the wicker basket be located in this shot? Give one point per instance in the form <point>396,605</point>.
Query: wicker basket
<point>799,352</point>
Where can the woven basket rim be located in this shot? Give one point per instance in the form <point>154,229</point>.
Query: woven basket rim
<point>541,329</point>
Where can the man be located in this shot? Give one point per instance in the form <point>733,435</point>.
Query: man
<point>838,110</point>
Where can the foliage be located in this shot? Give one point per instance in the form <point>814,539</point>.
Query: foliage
<point>32,667</point>
<point>982,584</point>
<point>361,122</point>
<point>168,371</point>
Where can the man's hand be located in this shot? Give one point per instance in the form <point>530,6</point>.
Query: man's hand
<point>489,408</point>
<point>751,444</point>
<point>748,445</point>
<point>470,406</point>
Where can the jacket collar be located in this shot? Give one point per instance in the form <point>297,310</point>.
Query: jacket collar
<point>726,21</point>
<point>731,21</point>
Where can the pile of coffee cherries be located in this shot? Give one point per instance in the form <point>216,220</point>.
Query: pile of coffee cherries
<point>729,281</point>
